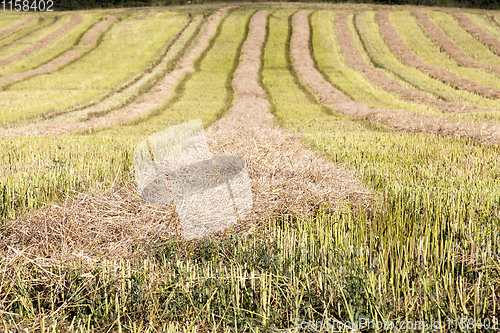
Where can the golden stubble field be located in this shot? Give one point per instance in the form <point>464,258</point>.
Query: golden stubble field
<point>370,135</point>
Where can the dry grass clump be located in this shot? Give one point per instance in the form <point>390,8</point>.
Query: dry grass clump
<point>109,223</point>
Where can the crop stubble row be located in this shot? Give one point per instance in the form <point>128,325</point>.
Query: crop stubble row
<point>16,26</point>
<point>42,42</point>
<point>89,38</point>
<point>161,91</point>
<point>246,131</point>
<point>448,45</point>
<point>396,43</point>
<point>477,31</point>
<point>397,119</point>
<point>377,76</point>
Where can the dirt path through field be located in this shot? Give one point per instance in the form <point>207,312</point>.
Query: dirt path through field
<point>481,34</point>
<point>42,42</point>
<point>89,39</point>
<point>16,26</point>
<point>448,45</point>
<point>411,59</point>
<point>160,93</point>
<point>286,179</point>
<point>398,119</point>
<point>354,60</point>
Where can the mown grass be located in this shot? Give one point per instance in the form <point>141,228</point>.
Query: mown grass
<point>131,92</point>
<point>125,52</point>
<point>432,215</point>
<point>487,23</point>
<point>428,249</point>
<point>476,50</point>
<point>430,52</point>
<point>53,49</point>
<point>13,48</point>
<point>40,22</point>
<point>331,62</point>
<point>71,161</point>
<point>8,21</point>
<point>207,93</point>
<point>383,57</point>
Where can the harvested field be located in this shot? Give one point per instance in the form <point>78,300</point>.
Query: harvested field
<point>448,45</point>
<point>397,119</point>
<point>407,55</point>
<point>75,20</point>
<point>477,31</point>
<point>161,92</point>
<point>247,131</point>
<point>120,69</point>
<point>16,26</point>
<point>374,183</point>
<point>379,77</point>
<point>89,39</point>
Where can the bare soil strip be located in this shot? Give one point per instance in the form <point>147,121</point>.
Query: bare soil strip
<point>411,59</point>
<point>42,42</point>
<point>160,92</point>
<point>481,34</point>
<point>89,39</point>
<point>398,119</point>
<point>354,60</point>
<point>448,45</point>
<point>16,26</point>
<point>286,179</point>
